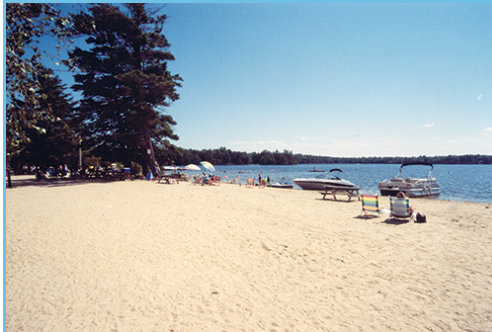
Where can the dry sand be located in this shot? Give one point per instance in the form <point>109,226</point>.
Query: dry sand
<point>142,256</point>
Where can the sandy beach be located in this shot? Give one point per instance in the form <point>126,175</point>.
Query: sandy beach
<point>143,256</point>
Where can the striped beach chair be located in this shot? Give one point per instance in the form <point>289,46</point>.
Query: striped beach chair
<point>370,204</point>
<point>400,208</point>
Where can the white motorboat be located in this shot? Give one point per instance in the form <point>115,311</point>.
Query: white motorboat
<point>322,182</point>
<point>412,187</point>
<point>280,185</point>
<point>173,168</point>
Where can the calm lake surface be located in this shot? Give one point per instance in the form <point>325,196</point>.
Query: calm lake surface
<point>472,183</point>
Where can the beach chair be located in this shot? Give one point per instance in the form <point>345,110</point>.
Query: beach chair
<point>400,208</point>
<point>370,204</point>
<point>197,180</point>
<point>250,183</point>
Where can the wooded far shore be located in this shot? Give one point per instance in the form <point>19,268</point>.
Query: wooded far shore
<point>224,156</point>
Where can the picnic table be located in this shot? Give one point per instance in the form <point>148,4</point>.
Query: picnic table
<point>166,179</point>
<point>341,190</point>
<point>172,178</point>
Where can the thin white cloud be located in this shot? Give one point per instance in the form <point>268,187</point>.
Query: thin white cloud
<point>488,129</point>
<point>258,146</point>
<point>302,138</point>
<point>428,125</point>
<point>479,97</point>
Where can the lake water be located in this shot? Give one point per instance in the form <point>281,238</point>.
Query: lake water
<point>472,183</point>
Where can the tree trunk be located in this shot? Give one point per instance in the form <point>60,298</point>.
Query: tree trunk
<point>149,152</point>
<point>9,179</point>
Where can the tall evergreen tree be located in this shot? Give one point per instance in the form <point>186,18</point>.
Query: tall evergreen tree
<point>125,82</point>
<point>57,143</point>
<point>25,24</point>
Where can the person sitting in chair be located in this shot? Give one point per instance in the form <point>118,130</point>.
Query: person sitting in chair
<point>402,195</point>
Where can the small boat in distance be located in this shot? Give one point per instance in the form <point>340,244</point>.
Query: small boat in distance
<point>316,170</point>
<point>412,187</point>
<point>280,185</point>
<point>322,182</point>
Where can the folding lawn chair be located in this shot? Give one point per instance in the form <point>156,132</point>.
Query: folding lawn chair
<point>370,204</point>
<point>400,208</point>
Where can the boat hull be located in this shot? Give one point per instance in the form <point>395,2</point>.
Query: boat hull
<point>314,184</point>
<point>281,186</point>
<point>409,193</point>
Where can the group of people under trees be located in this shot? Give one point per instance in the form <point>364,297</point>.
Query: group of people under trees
<point>95,172</point>
<point>51,172</point>
<point>110,172</point>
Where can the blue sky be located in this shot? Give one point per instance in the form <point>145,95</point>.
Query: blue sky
<point>333,79</point>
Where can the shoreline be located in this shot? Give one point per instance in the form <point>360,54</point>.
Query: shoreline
<point>30,180</point>
<point>137,255</point>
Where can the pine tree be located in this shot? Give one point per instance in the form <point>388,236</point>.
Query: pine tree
<point>125,82</point>
<point>25,24</point>
<point>57,143</point>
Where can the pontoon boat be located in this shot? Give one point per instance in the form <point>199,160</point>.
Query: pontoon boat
<point>412,187</point>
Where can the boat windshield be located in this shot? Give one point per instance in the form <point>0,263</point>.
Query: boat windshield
<point>414,172</point>
<point>333,174</point>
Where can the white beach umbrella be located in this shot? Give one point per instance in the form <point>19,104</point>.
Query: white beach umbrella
<point>192,167</point>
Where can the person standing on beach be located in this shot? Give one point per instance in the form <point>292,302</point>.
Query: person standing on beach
<point>259,178</point>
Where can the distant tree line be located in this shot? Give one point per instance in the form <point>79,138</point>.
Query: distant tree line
<point>450,159</point>
<point>224,156</point>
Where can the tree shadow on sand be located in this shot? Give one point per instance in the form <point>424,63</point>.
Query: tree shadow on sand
<point>31,181</point>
